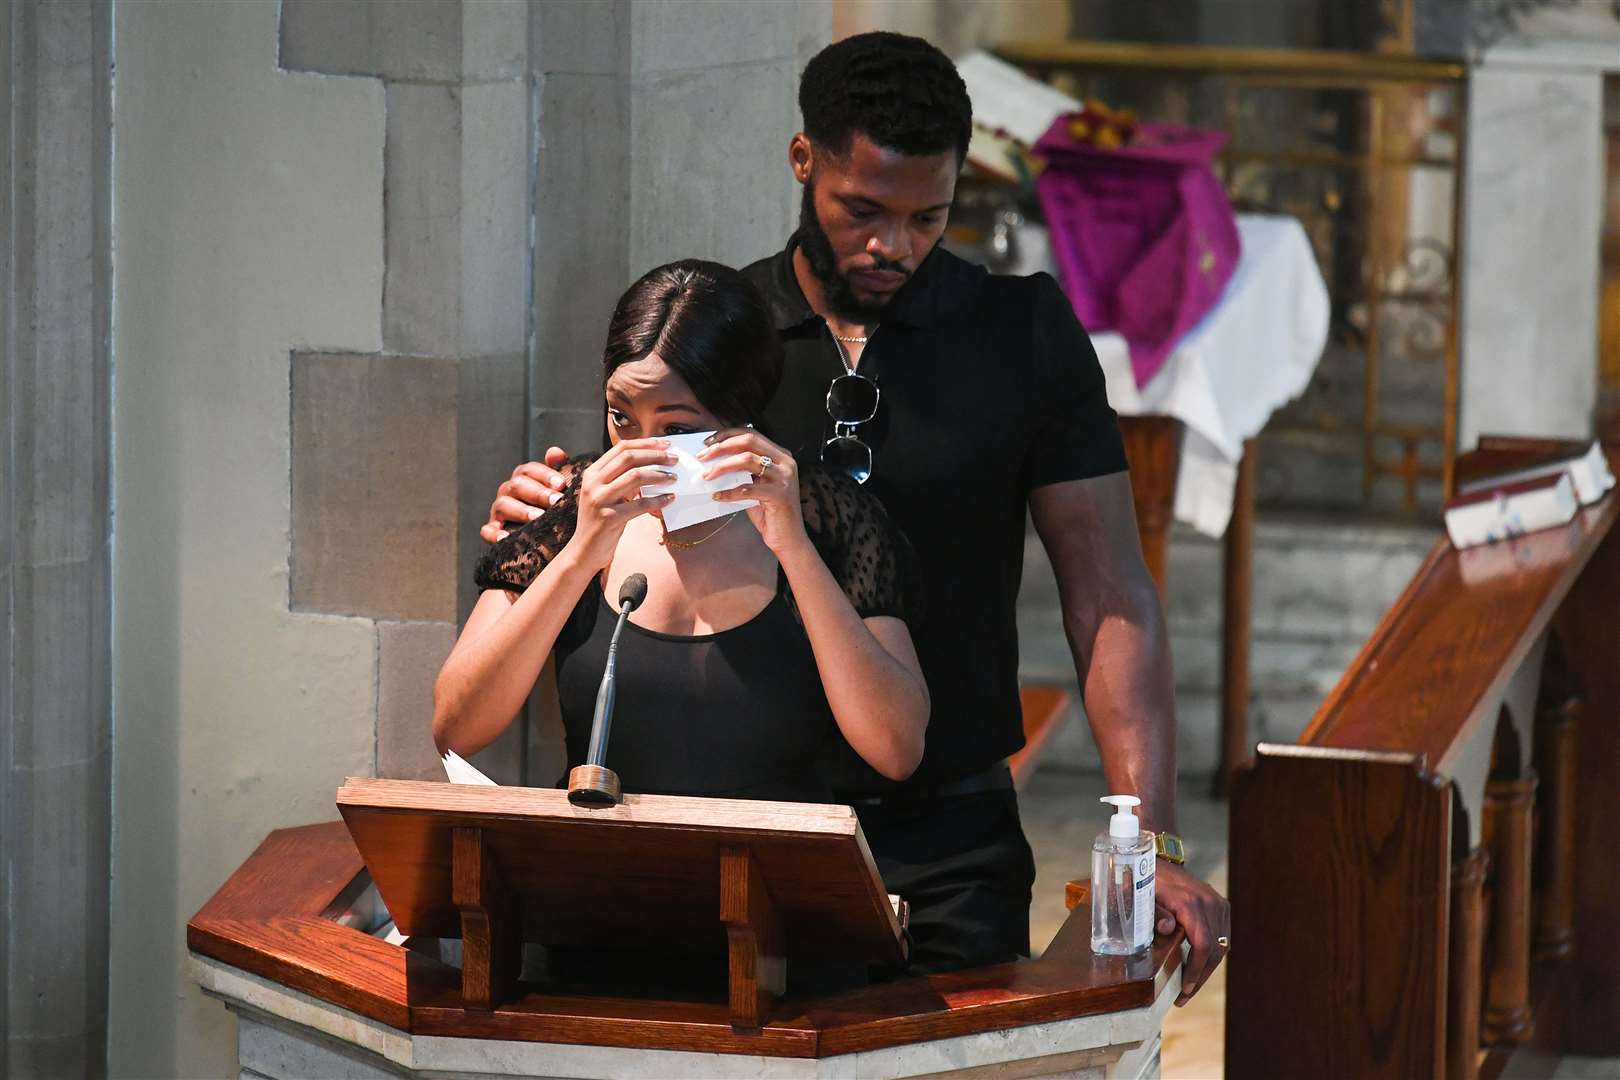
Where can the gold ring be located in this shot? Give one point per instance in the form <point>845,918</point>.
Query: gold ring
<point>1224,942</point>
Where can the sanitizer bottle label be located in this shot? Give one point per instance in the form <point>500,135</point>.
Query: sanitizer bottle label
<point>1142,923</point>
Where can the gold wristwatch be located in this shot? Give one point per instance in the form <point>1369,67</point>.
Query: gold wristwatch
<point>1169,846</point>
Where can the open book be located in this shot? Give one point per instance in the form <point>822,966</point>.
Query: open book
<point>1509,504</point>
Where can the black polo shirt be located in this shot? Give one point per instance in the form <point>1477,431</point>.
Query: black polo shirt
<point>990,388</point>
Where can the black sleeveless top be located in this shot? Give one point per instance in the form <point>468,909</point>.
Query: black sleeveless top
<point>740,713</point>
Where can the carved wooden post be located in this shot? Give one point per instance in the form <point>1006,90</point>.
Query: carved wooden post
<point>1235,623</point>
<point>754,936</point>
<point>1508,806</point>
<point>1153,451</point>
<point>1555,760</point>
<point>1466,959</point>
<point>491,931</point>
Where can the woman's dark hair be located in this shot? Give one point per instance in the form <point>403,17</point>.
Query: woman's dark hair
<point>900,92</point>
<point>711,326</point>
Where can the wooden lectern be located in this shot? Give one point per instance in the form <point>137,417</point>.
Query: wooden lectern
<point>498,866</point>
<point>290,945</point>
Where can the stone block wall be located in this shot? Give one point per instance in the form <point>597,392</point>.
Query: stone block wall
<point>395,453</point>
<point>365,252</point>
<point>55,723</point>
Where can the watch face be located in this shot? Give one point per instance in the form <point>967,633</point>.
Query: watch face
<point>1170,847</point>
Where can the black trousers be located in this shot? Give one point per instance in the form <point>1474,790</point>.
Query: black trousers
<point>963,865</point>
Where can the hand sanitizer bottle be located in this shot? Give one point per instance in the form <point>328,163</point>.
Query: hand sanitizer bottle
<point>1122,865</point>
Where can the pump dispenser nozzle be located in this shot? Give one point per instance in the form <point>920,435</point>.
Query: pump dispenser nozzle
<point>1123,824</point>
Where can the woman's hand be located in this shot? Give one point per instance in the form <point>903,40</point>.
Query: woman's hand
<point>610,495</point>
<point>778,517</point>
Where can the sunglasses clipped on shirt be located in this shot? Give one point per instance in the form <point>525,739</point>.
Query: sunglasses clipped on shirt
<point>852,400</point>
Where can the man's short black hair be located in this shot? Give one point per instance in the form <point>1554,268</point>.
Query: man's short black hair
<point>900,92</point>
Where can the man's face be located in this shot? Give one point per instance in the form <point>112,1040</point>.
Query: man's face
<point>869,218</point>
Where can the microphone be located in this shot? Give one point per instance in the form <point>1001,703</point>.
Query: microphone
<point>593,783</point>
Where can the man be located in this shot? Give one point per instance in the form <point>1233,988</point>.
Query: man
<point>961,399</point>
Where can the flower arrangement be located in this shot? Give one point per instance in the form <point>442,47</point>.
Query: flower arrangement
<point>1100,126</point>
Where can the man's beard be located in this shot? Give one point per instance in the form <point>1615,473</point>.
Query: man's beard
<point>835,287</point>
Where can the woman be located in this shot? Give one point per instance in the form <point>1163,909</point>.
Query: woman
<point>766,635</point>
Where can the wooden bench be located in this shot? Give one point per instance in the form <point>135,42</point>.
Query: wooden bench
<point>1046,710</point>
<point>1426,882</point>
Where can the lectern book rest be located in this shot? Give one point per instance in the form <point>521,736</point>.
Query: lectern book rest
<point>759,882</point>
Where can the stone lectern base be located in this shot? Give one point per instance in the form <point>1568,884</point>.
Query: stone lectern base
<point>286,1035</point>
<point>290,943</point>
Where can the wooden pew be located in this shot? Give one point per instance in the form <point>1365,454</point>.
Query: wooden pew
<point>1426,882</point>
<point>1046,710</point>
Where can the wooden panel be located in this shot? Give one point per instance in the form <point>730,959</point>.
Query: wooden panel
<point>1590,1016</point>
<point>265,919</point>
<point>1339,888</point>
<point>1463,983</point>
<point>1153,451</point>
<point>644,873</point>
<point>1045,709</point>
<point>613,1020</point>
<point>1237,589</point>
<point>1454,638</point>
<point>1508,804</point>
<point>758,960</point>
<point>1066,982</point>
<point>1557,870</point>
<point>491,924</point>
<point>412,992</point>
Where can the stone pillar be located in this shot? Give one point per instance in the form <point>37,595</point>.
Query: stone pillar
<point>1533,180</point>
<point>662,132</point>
<point>55,718</point>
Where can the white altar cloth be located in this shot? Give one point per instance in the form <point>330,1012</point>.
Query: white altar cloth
<point>1251,354</point>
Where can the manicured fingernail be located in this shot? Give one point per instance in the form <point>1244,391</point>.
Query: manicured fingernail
<point>712,439</point>
<point>535,511</point>
<point>556,497</point>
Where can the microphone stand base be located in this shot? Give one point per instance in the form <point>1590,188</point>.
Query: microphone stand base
<point>593,786</point>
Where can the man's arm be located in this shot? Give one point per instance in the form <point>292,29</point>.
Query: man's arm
<point>1115,626</point>
<point>532,488</point>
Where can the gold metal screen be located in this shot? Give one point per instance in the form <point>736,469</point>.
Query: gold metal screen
<point>1365,150</point>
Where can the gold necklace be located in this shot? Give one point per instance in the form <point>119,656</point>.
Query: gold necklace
<point>682,545</point>
<point>852,340</point>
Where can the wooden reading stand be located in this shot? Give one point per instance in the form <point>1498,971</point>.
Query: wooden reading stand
<point>757,884</point>
<point>498,866</point>
<point>1425,885</point>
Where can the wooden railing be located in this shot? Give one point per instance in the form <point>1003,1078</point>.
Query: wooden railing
<point>1426,882</point>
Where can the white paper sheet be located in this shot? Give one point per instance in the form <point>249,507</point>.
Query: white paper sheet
<point>694,496</point>
<point>461,771</point>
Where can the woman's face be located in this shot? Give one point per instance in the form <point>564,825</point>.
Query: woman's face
<point>646,400</point>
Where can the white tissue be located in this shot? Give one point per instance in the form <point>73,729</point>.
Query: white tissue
<point>694,496</point>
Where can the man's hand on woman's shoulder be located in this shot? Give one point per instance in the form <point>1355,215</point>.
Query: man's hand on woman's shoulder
<point>533,488</point>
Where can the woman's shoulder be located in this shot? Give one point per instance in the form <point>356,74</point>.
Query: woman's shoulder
<point>834,502</point>
<point>867,553</point>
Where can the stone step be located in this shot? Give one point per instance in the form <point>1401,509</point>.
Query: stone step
<point>1320,587</point>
